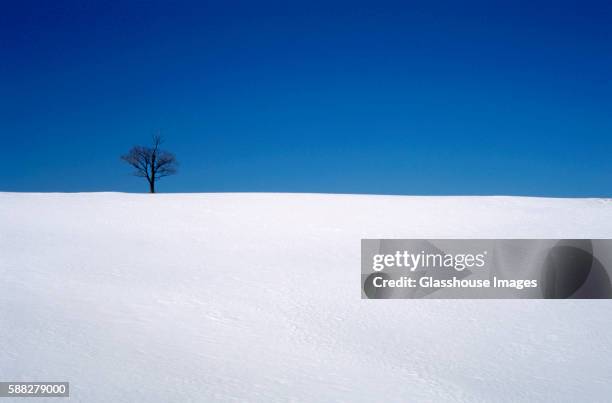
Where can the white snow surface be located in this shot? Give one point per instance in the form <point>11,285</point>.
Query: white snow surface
<point>256,297</point>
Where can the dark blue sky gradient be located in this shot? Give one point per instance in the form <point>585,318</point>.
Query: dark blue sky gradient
<point>386,97</point>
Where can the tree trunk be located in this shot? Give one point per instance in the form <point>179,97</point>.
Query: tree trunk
<point>151,186</point>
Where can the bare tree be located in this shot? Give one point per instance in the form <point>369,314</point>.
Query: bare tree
<point>151,163</point>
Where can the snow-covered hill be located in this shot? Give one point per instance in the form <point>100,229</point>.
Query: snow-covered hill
<point>256,297</point>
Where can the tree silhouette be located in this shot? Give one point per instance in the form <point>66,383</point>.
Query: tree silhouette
<point>151,163</point>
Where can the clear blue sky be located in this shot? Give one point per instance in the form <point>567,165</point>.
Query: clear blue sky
<point>503,97</point>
